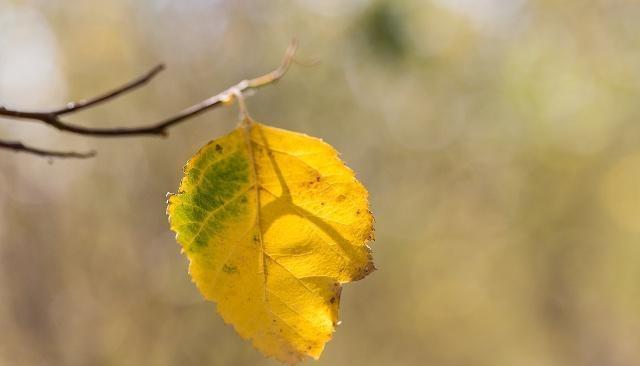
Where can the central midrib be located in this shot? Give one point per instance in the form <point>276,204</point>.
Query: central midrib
<point>263,263</point>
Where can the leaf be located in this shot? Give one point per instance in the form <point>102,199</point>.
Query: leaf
<point>273,223</point>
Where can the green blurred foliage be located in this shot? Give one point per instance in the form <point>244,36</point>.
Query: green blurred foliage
<point>498,139</point>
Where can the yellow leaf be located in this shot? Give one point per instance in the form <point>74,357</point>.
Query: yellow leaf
<point>273,223</point>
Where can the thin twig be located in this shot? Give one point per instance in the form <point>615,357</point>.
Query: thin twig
<point>159,128</point>
<point>71,107</point>
<point>133,84</point>
<point>52,118</point>
<point>20,147</point>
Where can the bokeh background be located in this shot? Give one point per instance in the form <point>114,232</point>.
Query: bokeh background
<point>499,140</point>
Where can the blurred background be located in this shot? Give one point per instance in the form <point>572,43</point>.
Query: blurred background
<point>499,140</point>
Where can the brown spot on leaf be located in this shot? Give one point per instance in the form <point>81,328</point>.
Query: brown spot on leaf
<point>219,148</point>
<point>229,269</point>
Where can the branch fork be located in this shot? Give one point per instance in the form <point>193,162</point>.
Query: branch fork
<point>160,128</point>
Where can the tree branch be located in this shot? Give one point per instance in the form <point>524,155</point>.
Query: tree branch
<point>20,147</point>
<point>133,84</point>
<point>160,128</point>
